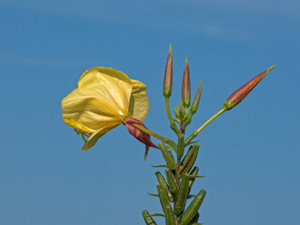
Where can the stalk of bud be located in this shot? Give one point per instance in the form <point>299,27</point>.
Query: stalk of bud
<point>242,92</point>
<point>186,85</point>
<point>196,101</point>
<point>167,86</point>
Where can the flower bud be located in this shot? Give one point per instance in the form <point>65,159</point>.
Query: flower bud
<point>167,86</point>
<point>186,86</point>
<point>138,134</point>
<point>242,92</point>
<point>196,101</point>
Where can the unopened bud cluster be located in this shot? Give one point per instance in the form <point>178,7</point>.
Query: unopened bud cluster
<point>181,172</point>
<point>182,111</point>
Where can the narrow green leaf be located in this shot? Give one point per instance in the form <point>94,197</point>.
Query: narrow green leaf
<point>161,166</point>
<point>156,195</point>
<point>157,214</point>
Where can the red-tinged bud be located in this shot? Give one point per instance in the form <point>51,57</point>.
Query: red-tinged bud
<point>242,92</point>
<point>196,101</point>
<point>138,134</point>
<point>186,85</point>
<point>167,86</point>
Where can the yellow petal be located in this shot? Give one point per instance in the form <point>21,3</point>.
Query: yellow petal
<point>102,97</point>
<point>139,104</point>
<point>96,135</point>
<point>111,83</point>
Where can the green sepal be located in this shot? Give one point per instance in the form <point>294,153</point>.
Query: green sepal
<point>177,121</point>
<point>169,215</point>
<point>162,181</point>
<point>193,208</point>
<point>186,113</point>
<point>182,195</point>
<point>180,146</point>
<point>148,219</point>
<point>167,156</point>
<point>196,223</point>
<point>164,201</point>
<point>156,195</point>
<point>187,121</point>
<point>179,112</point>
<point>171,180</point>
<point>189,160</point>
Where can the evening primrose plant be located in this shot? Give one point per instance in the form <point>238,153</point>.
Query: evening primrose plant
<point>106,98</point>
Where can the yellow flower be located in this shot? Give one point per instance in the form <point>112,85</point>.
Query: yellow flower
<point>103,98</point>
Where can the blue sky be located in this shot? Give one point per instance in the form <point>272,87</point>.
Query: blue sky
<point>249,155</point>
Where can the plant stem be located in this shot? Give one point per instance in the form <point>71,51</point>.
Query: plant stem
<point>173,125</point>
<point>195,133</point>
<point>165,140</point>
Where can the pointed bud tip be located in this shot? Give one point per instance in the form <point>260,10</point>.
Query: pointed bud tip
<point>145,155</point>
<point>270,68</point>
<point>243,91</point>
<point>186,60</point>
<point>170,48</point>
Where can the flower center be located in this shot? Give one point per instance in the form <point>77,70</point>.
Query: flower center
<point>125,117</point>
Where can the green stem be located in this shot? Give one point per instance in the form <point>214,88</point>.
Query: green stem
<point>165,140</point>
<point>187,121</point>
<point>173,125</point>
<point>195,133</point>
<point>180,144</point>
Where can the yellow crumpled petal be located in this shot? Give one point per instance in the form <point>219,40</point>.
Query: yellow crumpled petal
<point>139,104</point>
<point>100,99</point>
<point>96,135</point>
<point>103,97</point>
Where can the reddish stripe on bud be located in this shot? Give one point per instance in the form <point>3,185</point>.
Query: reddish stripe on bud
<point>242,92</point>
<point>186,85</point>
<point>168,78</point>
